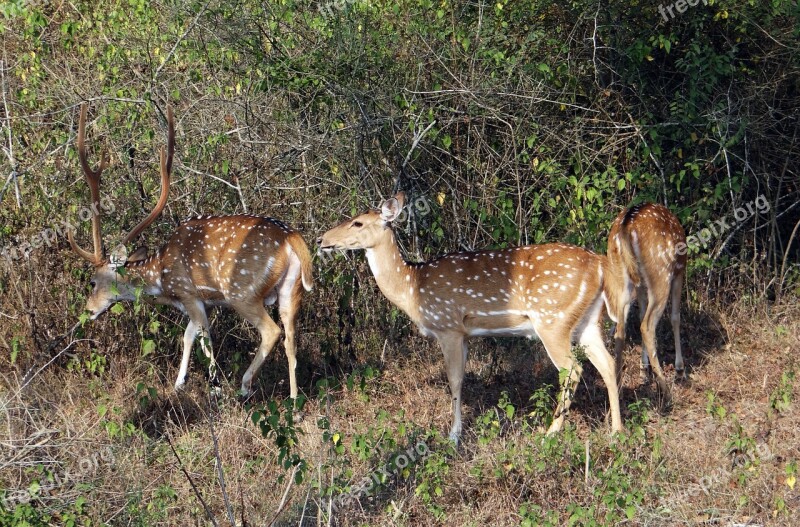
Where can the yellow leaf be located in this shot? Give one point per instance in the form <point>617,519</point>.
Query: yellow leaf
<point>693,136</point>
<point>680,153</point>
<point>336,438</point>
<point>791,481</point>
<point>440,198</point>
<point>650,58</point>
<point>535,162</point>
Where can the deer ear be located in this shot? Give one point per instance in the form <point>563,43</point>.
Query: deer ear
<point>139,254</point>
<point>401,199</point>
<point>390,209</point>
<point>118,256</point>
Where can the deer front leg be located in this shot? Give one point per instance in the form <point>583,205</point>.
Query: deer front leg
<point>198,325</point>
<point>189,335</point>
<point>455,360</point>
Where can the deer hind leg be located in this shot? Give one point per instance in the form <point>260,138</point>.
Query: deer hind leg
<point>621,310</point>
<point>455,360</point>
<point>270,333</point>
<point>675,318</point>
<point>198,325</point>
<point>290,297</point>
<point>560,352</point>
<point>644,365</point>
<point>655,308</point>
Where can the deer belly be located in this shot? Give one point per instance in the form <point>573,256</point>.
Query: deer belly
<point>499,324</point>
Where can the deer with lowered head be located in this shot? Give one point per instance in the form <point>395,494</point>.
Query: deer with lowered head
<point>244,262</point>
<point>553,292</point>
<point>646,254</point>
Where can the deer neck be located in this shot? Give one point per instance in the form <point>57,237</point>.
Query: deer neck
<point>147,274</point>
<point>396,278</point>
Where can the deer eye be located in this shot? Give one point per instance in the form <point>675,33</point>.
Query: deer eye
<point>93,284</point>
<point>357,224</point>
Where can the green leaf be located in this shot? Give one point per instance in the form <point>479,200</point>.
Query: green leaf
<point>447,141</point>
<point>148,347</point>
<point>621,184</point>
<point>117,309</point>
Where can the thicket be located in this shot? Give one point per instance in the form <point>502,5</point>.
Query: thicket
<point>512,121</point>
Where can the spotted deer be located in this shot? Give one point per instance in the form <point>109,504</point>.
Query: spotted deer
<point>551,291</point>
<point>646,254</point>
<point>240,261</point>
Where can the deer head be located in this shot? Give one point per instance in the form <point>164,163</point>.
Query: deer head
<point>109,285</point>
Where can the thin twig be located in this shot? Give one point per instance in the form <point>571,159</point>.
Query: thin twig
<point>220,471</point>
<point>177,42</point>
<point>191,483</point>
<point>285,495</point>
<point>12,177</point>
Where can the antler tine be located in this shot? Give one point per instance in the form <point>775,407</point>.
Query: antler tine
<point>93,179</point>
<point>166,170</point>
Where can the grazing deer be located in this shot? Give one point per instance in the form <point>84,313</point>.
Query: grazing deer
<point>646,253</point>
<point>241,261</point>
<point>551,291</point>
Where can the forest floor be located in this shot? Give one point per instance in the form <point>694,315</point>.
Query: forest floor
<point>101,437</point>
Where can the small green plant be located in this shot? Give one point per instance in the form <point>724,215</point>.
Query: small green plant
<point>357,381</point>
<point>488,425</point>
<point>146,394</point>
<point>714,407</point>
<point>276,419</point>
<point>16,346</point>
<point>542,401</point>
<point>781,397</point>
<point>532,515</point>
<point>432,473</point>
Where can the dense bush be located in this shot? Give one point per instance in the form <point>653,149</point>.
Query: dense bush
<point>506,122</point>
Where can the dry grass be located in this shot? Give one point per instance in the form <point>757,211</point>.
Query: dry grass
<point>95,438</point>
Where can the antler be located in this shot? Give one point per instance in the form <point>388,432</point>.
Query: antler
<point>93,178</point>
<point>166,169</point>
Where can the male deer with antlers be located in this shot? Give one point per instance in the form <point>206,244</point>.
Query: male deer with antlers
<point>551,291</point>
<point>646,253</point>
<point>241,261</point>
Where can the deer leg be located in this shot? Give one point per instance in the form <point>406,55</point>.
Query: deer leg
<point>289,307</point>
<point>198,325</point>
<point>655,308</point>
<point>675,318</point>
<point>644,365</point>
<point>619,337</point>
<point>455,360</point>
<point>270,333</point>
<point>559,350</point>
<point>592,341</point>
